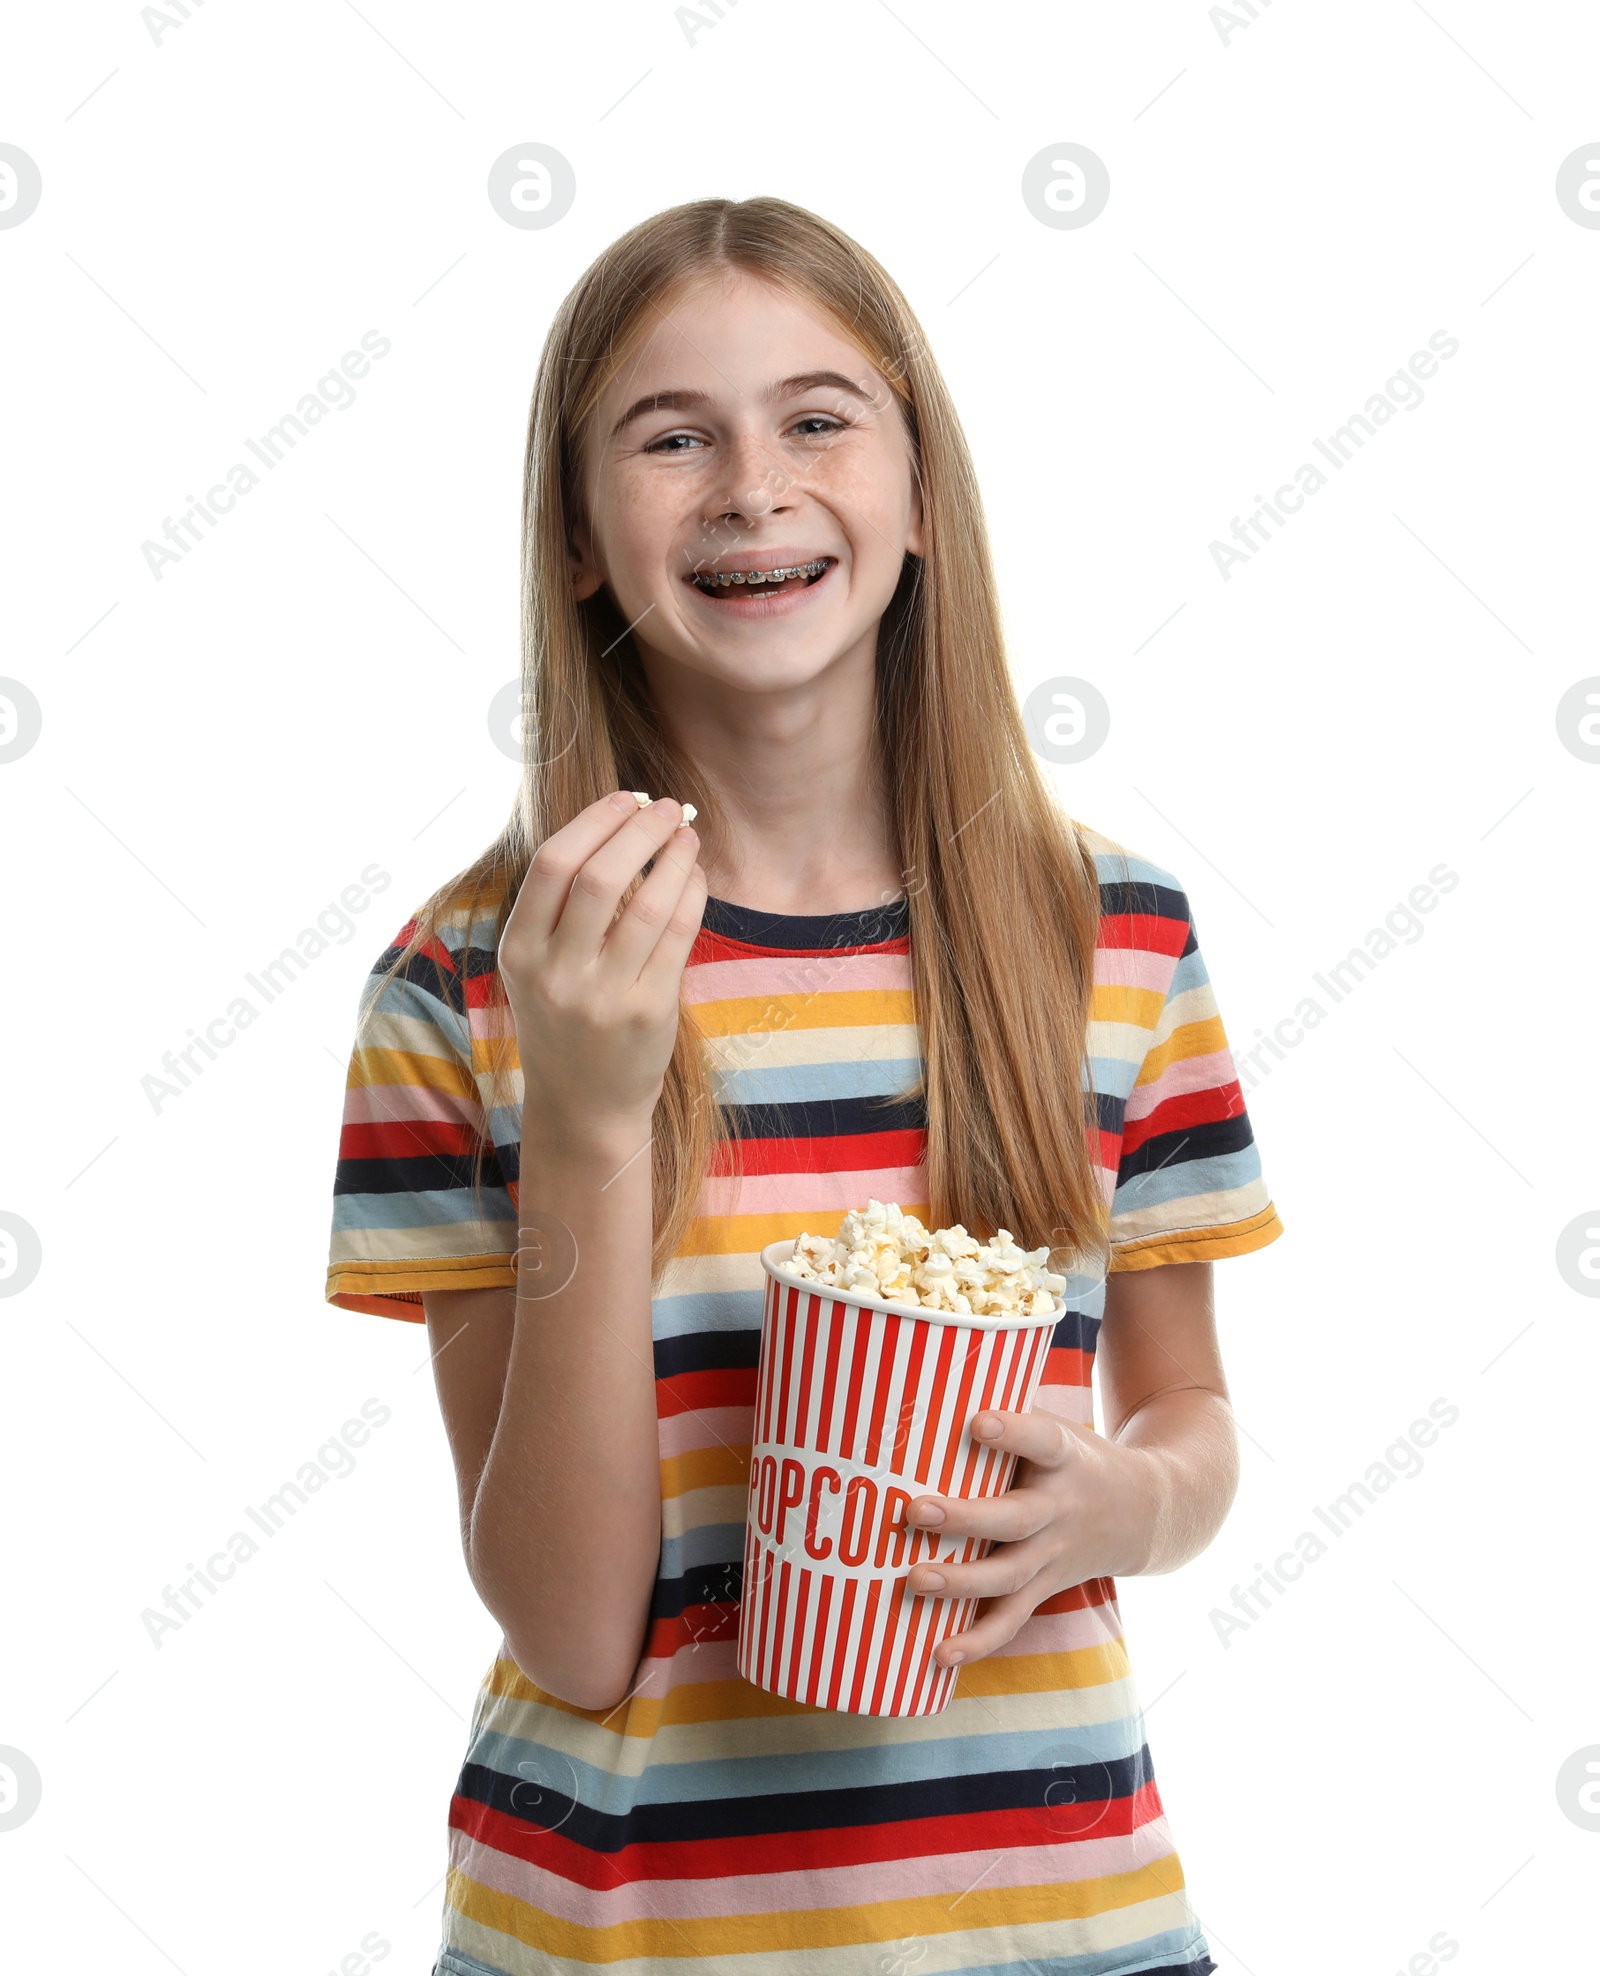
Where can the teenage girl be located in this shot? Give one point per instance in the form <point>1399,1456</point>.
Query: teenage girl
<point>600,1070</point>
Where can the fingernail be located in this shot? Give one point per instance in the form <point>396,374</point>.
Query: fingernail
<point>623,800</point>
<point>987,1427</point>
<point>928,1513</point>
<point>933,1581</point>
<point>955,1654</point>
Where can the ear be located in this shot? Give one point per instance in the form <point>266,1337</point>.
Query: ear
<point>914,529</point>
<point>587,576</point>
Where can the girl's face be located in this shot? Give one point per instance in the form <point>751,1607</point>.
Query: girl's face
<point>746,434</point>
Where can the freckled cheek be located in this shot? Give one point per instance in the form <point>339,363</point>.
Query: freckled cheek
<point>872,499</point>
<point>636,526</point>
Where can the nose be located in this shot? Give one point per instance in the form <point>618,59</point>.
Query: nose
<point>755,482</point>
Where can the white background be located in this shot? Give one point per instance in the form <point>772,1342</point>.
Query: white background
<point>1296,206</point>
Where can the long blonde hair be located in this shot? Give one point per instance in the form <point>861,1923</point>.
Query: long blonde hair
<point>1003,897</point>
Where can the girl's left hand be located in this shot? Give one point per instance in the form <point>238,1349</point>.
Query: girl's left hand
<point>1079,1507</point>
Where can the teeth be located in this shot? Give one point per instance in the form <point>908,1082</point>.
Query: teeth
<point>757,576</point>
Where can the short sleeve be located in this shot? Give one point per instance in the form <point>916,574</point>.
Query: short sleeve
<point>1189,1184</point>
<point>413,1208</point>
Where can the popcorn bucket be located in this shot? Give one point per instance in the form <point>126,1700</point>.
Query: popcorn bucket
<point>861,1407</point>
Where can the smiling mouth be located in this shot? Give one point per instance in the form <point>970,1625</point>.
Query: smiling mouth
<point>768,582</point>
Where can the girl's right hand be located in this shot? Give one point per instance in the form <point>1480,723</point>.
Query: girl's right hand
<point>596,1003</point>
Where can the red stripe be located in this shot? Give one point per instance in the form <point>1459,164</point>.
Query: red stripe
<point>990,1373</point>
<point>948,1621</point>
<point>969,1368</point>
<point>766,1611</point>
<point>830,1375</point>
<point>716,1619</point>
<point>801,1313</point>
<point>701,1392</point>
<point>919,1622</point>
<point>406,1139</point>
<point>798,1628</point>
<point>930,1424</point>
<point>1067,1365</point>
<point>1001,1388</point>
<point>842,1152</point>
<point>713,946</point>
<point>1183,1112</point>
<point>904,1426</point>
<point>776,1852</point>
<point>802,1410</point>
<point>927,1673</point>
<point>845,1612</point>
<point>779,1635</point>
<point>890,1328</point>
<point>480,993</point>
<point>897,1599</point>
<point>1010,1384</point>
<point>924,1544</point>
<point>824,1601</point>
<point>863,1326</point>
<point>874,1591</point>
<point>1016,1362</point>
<point>1147,933</point>
<point>770,1347</point>
<point>435,950</point>
<point>1092,1592</point>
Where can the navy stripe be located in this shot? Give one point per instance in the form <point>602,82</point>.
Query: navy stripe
<point>1143,895</point>
<point>830,1118</point>
<point>428,1173</point>
<point>803,1812</point>
<point>424,972</point>
<point>1194,1142</point>
<point>717,1582</point>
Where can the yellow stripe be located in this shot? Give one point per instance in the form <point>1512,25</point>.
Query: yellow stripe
<point>742,1701</point>
<point>814,1928</point>
<point>843,1008</point>
<point>1234,1238</point>
<point>382,1279</point>
<point>749,1234</point>
<point>1116,1001</point>
<point>1189,1039</point>
<point>377,1066</point>
<point>491,1053</point>
<point>719,1467</point>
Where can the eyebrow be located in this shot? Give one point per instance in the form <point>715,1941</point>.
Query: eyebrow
<point>678,400</point>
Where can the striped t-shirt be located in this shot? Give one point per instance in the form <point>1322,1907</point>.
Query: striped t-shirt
<point>704,1824</point>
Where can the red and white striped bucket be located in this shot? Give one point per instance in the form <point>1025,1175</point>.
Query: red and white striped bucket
<point>862,1407</point>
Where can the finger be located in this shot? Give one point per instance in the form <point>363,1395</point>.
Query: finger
<point>1004,1571</point>
<point>663,971</point>
<point>1041,1438</point>
<point>666,908</point>
<point>560,857</point>
<point>1003,1620</point>
<point>1017,1513</point>
<point>602,877</point>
